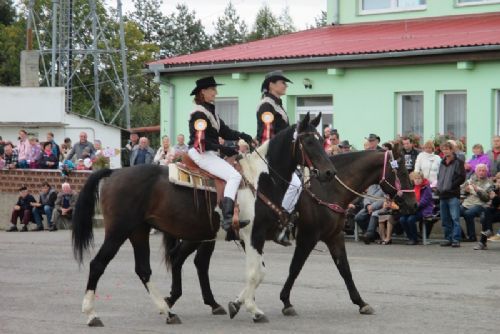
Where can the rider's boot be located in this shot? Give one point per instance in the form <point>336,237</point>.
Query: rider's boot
<point>227,219</point>
<point>283,236</point>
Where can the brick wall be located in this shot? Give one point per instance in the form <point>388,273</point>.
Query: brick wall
<point>12,180</point>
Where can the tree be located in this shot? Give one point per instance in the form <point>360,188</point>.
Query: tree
<point>285,22</point>
<point>266,24</point>
<point>229,29</point>
<point>7,12</point>
<point>186,34</point>
<point>11,44</point>
<point>149,18</point>
<point>320,20</point>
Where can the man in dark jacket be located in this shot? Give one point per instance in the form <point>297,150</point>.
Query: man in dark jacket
<point>451,175</point>
<point>44,206</point>
<point>22,210</point>
<point>409,153</point>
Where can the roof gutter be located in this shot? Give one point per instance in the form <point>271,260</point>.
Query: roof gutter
<point>162,68</point>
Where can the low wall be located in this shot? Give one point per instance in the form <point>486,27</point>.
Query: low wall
<point>12,180</point>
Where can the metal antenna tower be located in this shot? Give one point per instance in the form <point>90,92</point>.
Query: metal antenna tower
<point>72,47</point>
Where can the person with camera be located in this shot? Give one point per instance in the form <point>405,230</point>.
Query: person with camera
<point>490,216</point>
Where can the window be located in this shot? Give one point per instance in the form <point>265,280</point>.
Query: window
<point>228,111</point>
<point>498,112</point>
<point>381,6</point>
<point>314,105</point>
<point>411,113</point>
<point>476,2</point>
<point>453,113</point>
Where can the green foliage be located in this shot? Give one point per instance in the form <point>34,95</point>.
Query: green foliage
<point>229,28</point>
<point>11,44</point>
<point>266,25</point>
<point>285,22</point>
<point>150,20</point>
<point>320,20</point>
<point>7,12</point>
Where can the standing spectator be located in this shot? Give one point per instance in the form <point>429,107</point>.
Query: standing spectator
<point>23,149</point>
<point>83,149</point>
<point>133,141</point>
<point>2,144</point>
<point>428,163</point>
<point>327,142</point>
<point>35,152</point>
<point>373,142</point>
<point>98,148</point>
<point>165,153</point>
<point>344,146</point>
<point>127,150</point>
<point>334,142</point>
<point>10,156</point>
<point>64,206</point>
<point>494,155</point>
<point>423,194</point>
<point>48,160</point>
<point>56,150</point>
<point>476,190</point>
<point>451,175</point>
<point>142,153</point>
<point>2,161</point>
<point>64,152</point>
<point>44,206</point>
<point>180,147</point>
<point>22,210</point>
<point>478,157</point>
<point>410,153</point>
<point>458,148</point>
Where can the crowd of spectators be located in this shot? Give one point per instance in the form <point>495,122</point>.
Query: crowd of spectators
<point>448,186</point>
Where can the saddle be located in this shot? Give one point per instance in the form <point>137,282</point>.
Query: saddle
<point>188,174</point>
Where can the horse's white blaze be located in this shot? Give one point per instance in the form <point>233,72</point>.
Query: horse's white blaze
<point>88,305</point>
<point>157,298</point>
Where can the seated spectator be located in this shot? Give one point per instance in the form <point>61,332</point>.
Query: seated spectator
<point>344,146</point>
<point>22,210</point>
<point>10,156</point>
<point>427,163</point>
<point>423,194</point>
<point>35,152</point>
<point>48,160</point>
<point>142,153</point>
<point>83,149</point>
<point>44,206</point>
<point>476,190</point>
<point>490,216</point>
<point>80,165</point>
<point>63,207</point>
<point>2,144</point>
<point>180,147</point>
<point>478,157</point>
<point>56,150</point>
<point>2,161</point>
<point>165,153</point>
<point>367,218</point>
<point>64,152</point>
<point>387,219</point>
<point>23,149</point>
<point>373,142</point>
<point>409,153</point>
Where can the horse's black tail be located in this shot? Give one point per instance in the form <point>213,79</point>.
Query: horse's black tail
<point>83,214</point>
<point>171,246</point>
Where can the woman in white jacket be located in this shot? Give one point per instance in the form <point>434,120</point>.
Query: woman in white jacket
<point>165,153</point>
<point>427,163</point>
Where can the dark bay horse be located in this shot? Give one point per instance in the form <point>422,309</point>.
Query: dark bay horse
<point>355,172</point>
<point>135,199</point>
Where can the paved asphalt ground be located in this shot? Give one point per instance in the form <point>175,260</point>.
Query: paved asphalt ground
<point>422,289</point>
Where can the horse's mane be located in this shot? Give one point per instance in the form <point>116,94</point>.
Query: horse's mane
<point>343,160</point>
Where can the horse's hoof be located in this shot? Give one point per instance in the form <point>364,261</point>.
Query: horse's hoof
<point>289,311</point>
<point>169,302</point>
<point>367,309</point>
<point>234,308</point>
<point>260,318</point>
<point>173,319</point>
<point>218,310</point>
<point>95,322</point>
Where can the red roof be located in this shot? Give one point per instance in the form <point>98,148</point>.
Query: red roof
<point>353,39</point>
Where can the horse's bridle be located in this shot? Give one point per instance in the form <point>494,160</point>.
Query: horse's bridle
<point>397,183</point>
<point>306,161</point>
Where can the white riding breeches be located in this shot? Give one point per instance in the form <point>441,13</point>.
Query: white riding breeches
<point>292,194</point>
<point>217,166</point>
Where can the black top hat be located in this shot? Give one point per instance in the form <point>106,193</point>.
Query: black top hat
<point>204,83</point>
<point>344,144</point>
<point>273,77</point>
<point>373,136</point>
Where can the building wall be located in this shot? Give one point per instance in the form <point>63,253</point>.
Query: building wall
<point>349,11</point>
<point>365,99</point>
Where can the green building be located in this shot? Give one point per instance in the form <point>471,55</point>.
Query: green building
<point>388,67</point>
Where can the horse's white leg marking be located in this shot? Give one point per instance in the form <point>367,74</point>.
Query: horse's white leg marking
<point>88,305</point>
<point>255,275</point>
<point>157,298</point>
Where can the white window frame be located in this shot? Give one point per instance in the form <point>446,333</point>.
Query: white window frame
<point>400,108</point>
<point>497,111</point>
<point>315,110</point>
<point>393,9</point>
<point>441,108</point>
<point>475,3</point>
<point>224,99</point>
